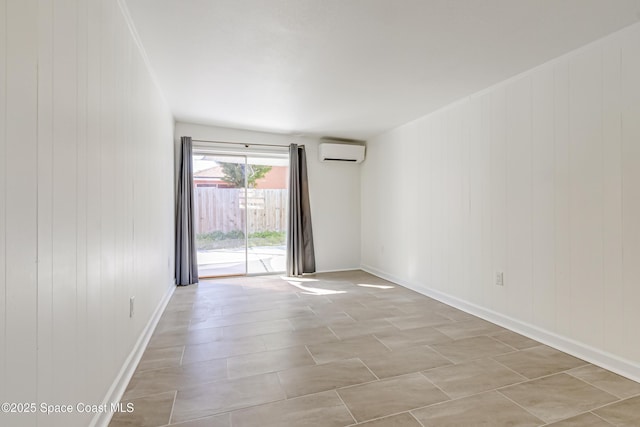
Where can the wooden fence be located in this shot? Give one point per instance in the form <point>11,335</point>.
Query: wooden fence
<point>223,209</point>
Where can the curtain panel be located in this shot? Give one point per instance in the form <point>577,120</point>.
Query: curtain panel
<point>186,255</point>
<point>300,251</point>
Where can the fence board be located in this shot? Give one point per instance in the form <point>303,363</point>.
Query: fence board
<point>223,209</point>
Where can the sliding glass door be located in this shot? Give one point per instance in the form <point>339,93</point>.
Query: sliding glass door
<point>266,214</point>
<point>240,213</point>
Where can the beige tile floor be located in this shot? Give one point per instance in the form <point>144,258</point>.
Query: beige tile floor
<point>349,348</point>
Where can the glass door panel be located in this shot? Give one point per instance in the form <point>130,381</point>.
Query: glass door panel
<point>266,214</point>
<point>220,218</point>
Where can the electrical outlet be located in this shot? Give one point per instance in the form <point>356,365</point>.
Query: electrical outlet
<point>132,301</point>
<point>499,278</point>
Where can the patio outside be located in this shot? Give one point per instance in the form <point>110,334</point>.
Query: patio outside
<point>231,261</point>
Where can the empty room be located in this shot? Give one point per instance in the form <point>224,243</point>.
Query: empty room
<point>326,213</point>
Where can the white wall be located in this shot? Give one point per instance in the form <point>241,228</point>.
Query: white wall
<point>334,192</point>
<point>538,176</point>
<point>86,156</point>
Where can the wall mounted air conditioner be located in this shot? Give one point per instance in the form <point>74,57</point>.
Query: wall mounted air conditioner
<point>336,152</point>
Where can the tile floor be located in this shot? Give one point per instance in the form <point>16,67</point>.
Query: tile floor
<point>349,348</point>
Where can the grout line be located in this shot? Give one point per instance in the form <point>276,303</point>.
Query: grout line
<point>394,414</point>
<point>578,415</point>
<point>512,370</point>
<point>533,379</point>
<point>226,370</point>
<point>184,348</point>
<point>598,416</point>
<point>416,418</point>
<point>348,315</point>
<point>436,385</point>
<point>515,349</point>
<point>504,387</point>
<point>369,369</point>
<point>333,332</point>
<point>345,405</point>
<point>378,339</point>
<point>311,354</point>
<point>286,397</point>
<point>550,375</point>
<point>591,384</point>
<point>437,352</point>
<point>519,405</point>
<point>143,396</point>
<point>173,405</point>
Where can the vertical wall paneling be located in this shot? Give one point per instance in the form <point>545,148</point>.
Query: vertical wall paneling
<point>631,185</point>
<point>518,183</point>
<point>81,125</point>
<point>119,198</point>
<point>410,217</point>
<point>543,197</point>
<point>3,162</point>
<point>537,177</point>
<point>475,143</point>
<point>613,289</point>
<point>64,209</point>
<point>496,295</point>
<point>83,367</point>
<point>108,176</point>
<point>45,207</point>
<point>585,194</point>
<point>562,249</point>
<point>129,145</point>
<point>123,188</point>
<point>445,203</point>
<point>366,218</point>
<point>388,217</point>
<point>95,337</point>
<point>437,190</point>
<point>21,205</point>
<point>423,133</point>
<point>452,199</point>
<point>464,233</point>
<point>485,280</point>
<point>402,168</point>
<point>439,232</point>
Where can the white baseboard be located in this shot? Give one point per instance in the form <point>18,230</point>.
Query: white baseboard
<point>119,385</point>
<point>338,270</point>
<point>593,355</point>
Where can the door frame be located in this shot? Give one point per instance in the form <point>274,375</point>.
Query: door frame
<point>256,151</point>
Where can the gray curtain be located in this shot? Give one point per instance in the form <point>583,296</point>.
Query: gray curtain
<point>186,261</point>
<point>300,253</point>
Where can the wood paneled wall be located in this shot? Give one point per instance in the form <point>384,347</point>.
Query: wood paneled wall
<point>86,207</point>
<point>538,177</point>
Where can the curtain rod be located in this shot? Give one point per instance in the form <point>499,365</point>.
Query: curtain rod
<point>246,144</point>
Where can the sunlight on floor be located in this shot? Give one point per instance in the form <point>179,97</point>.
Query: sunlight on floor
<point>364,285</point>
<point>297,282</point>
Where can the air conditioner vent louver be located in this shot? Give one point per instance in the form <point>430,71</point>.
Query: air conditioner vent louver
<point>335,152</point>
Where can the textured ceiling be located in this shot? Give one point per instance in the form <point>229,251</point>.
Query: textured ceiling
<point>351,68</point>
